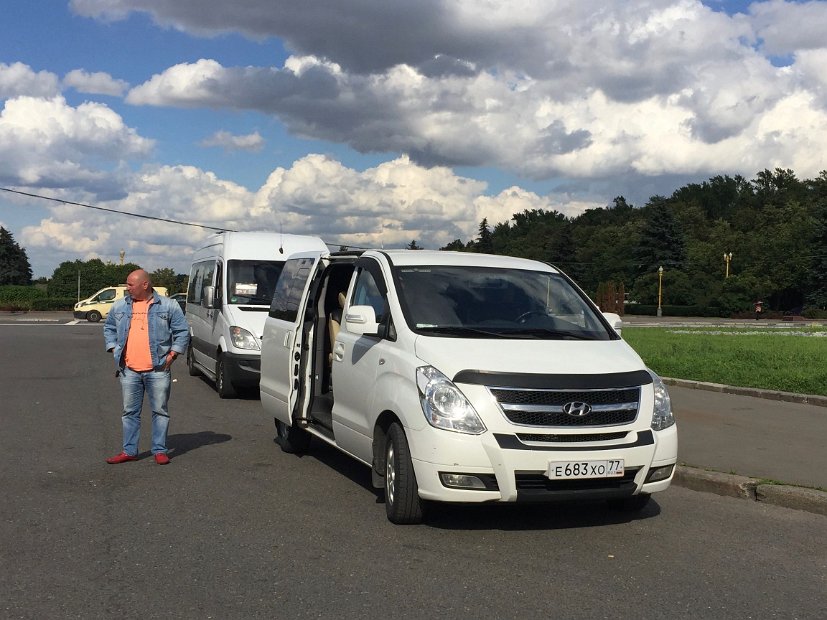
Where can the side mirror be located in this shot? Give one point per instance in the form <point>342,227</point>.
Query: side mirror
<point>361,320</point>
<point>614,320</point>
<point>208,301</point>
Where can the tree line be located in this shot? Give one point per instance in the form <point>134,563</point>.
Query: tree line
<point>770,232</point>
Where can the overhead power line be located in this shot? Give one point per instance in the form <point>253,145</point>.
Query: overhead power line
<point>145,217</point>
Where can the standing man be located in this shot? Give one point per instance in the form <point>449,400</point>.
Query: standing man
<point>145,332</point>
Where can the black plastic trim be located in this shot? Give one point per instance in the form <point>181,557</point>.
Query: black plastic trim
<point>511,442</point>
<point>633,378</point>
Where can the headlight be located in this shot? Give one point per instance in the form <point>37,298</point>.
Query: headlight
<point>444,405</point>
<point>662,416</point>
<point>242,339</point>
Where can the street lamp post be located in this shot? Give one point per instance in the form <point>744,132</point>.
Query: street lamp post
<point>660,290</point>
<point>727,260</point>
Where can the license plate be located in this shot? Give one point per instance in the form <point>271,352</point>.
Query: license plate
<point>612,468</point>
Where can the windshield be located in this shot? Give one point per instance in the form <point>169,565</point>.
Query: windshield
<point>485,302</point>
<point>251,282</point>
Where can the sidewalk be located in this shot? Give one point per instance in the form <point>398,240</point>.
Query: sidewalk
<point>748,445</point>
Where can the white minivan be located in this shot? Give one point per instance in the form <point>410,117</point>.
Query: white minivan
<point>230,288</point>
<point>461,377</point>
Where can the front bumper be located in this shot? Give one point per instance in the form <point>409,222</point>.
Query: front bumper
<point>79,314</point>
<point>243,369</point>
<point>516,472</point>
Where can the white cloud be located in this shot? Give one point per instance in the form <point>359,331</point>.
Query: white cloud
<point>97,83</point>
<point>18,79</point>
<point>539,89</point>
<point>252,142</point>
<point>48,143</point>
<point>388,205</point>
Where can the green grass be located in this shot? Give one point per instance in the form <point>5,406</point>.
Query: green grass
<point>772,359</point>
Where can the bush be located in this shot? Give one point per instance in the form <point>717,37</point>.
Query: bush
<point>54,303</point>
<point>650,310</point>
<point>814,313</point>
<point>19,296</point>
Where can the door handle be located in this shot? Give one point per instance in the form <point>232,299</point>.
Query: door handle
<point>339,352</point>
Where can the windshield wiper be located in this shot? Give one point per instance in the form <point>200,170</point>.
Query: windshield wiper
<point>457,330</point>
<point>555,333</point>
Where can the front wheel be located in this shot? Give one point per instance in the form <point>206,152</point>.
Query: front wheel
<point>223,385</point>
<point>93,316</point>
<point>292,439</point>
<point>191,368</point>
<point>402,502</point>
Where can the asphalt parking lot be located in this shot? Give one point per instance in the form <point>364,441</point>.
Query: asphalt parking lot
<point>235,528</point>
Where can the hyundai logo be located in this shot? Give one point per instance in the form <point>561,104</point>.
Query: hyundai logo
<point>576,409</point>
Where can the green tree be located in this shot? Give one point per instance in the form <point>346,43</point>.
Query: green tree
<point>484,243</point>
<point>166,277</point>
<point>456,246</point>
<point>93,275</point>
<point>662,242</point>
<point>413,246</point>
<point>14,264</point>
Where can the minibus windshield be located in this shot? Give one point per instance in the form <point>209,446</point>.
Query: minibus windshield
<point>251,282</point>
<point>486,302</point>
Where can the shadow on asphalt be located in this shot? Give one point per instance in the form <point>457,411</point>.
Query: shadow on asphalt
<point>506,517</point>
<point>180,444</point>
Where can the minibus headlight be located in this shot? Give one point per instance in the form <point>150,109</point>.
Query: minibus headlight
<point>662,416</point>
<point>444,405</point>
<point>242,339</point>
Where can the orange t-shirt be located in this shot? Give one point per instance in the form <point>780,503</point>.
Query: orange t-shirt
<point>138,357</point>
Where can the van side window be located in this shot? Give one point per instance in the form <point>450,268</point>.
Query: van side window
<point>200,276</point>
<point>366,293</point>
<point>107,295</point>
<point>289,289</point>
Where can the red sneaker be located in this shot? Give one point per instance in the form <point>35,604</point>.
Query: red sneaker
<point>123,457</point>
<point>161,458</point>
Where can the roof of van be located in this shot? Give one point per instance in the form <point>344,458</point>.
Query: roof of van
<point>258,245</point>
<point>440,257</point>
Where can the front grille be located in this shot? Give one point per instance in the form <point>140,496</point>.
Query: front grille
<point>571,438</point>
<point>534,407</point>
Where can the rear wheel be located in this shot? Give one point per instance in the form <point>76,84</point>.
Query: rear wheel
<point>292,439</point>
<point>402,502</point>
<point>93,316</point>
<point>223,385</point>
<point>635,503</point>
<point>194,372</point>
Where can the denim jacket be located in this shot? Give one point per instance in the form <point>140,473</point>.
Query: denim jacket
<point>168,328</point>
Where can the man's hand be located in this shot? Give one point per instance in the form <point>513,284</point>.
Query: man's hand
<point>169,359</point>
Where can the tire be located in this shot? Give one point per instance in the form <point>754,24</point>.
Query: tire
<point>191,368</point>
<point>402,502</point>
<point>93,316</point>
<point>292,439</point>
<point>635,503</point>
<point>223,385</point>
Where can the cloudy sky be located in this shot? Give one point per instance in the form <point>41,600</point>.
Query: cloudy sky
<point>377,122</point>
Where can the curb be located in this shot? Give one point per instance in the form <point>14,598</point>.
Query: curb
<point>743,487</point>
<point>791,397</point>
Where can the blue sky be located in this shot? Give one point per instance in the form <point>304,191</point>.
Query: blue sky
<point>375,123</point>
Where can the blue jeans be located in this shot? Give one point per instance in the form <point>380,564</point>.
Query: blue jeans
<point>156,384</point>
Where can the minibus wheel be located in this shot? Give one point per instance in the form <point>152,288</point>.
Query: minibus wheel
<point>93,316</point>
<point>223,385</point>
<point>402,502</point>
<point>194,372</point>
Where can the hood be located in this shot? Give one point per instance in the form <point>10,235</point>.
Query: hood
<point>597,357</point>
